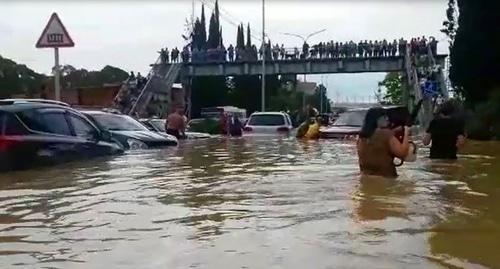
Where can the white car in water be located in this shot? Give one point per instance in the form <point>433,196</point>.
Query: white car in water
<point>268,123</point>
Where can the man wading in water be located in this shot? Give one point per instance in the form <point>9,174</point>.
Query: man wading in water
<point>176,124</point>
<point>446,133</point>
<point>377,146</point>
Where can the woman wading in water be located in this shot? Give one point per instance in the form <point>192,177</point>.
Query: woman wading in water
<point>378,147</point>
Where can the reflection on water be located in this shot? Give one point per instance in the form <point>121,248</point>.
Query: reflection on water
<point>252,203</point>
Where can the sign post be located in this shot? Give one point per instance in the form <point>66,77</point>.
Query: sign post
<point>57,76</point>
<point>55,36</point>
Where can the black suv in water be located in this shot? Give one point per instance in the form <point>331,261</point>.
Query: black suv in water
<point>128,131</point>
<point>41,133</point>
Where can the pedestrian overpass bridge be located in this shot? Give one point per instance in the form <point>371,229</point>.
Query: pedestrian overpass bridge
<point>163,75</point>
<point>302,66</point>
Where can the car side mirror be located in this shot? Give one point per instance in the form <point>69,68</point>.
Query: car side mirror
<point>105,135</point>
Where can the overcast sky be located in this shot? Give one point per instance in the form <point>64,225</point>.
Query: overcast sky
<point>128,34</point>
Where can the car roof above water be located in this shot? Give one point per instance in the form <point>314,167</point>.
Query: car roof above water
<point>15,101</point>
<point>16,107</point>
<point>366,108</point>
<point>268,113</point>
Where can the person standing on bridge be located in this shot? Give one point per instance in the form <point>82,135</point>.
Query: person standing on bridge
<point>230,52</point>
<point>360,49</point>
<point>163,56</point>
<point>176,54</point>
<point>305,50</point>
<point>394,47</point>
<point>433,44</point>
<point>172,55</point>
<point>276,52</point>
<point>185,54</point>
<point>166,55</point>
<point>385,48</point>
<point>366,48</point>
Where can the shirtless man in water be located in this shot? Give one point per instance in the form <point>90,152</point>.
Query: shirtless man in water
<point>176,124</point>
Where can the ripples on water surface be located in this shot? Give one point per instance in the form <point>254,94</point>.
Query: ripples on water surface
<point>252,203</point>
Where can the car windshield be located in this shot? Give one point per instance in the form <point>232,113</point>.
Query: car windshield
<point>351,118</point>
<point>118,122</point>
<point>158,125</point>
<point>266,120</point>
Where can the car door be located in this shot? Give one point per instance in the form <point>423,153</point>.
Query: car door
<point>90,142</point>
<point>50,135</point>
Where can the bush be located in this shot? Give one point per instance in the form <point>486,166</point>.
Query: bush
<point>484,122</point>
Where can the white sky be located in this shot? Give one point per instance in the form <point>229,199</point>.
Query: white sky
<point>127,34</point>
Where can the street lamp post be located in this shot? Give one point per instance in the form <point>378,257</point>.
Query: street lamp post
<point>307,37</point>
<point>305,41</point>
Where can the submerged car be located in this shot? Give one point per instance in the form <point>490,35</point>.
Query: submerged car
<point>42,133</point>
<point>129,132</point>
<point>158,125</point>
<point>268,123</point>
<point>350,122</point>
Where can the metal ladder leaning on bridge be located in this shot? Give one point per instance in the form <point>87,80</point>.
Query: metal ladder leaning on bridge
<point>413,83</point>
<point>428,104</point>
<point>161,79</point>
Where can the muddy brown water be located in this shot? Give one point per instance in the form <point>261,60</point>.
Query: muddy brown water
<point>253,203</point>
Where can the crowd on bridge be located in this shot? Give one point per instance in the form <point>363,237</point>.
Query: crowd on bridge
<point>322,50</point>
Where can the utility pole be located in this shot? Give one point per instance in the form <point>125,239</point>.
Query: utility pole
<point>192,16</point>
<point>263,89</point>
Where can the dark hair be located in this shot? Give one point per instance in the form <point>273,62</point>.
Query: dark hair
<point>447,108</point>
<point>370,122</point>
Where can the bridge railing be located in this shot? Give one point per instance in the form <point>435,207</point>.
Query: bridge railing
<point>286,54</point>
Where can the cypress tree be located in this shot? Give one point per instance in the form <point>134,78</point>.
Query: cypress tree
<point>196,34</point>
<point>214,29</point>
<point>221,41</point>
<point>238,36</point>
<point>240,42</point>
<point>249,37</point>
<point>203,28</point>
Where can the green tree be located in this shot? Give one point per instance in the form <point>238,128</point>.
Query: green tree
<point>393,84</point>
<point>450,24</point>
<point>320,99</point>
<point>203,28</point>
<point>475,57</point>
<point>214,34</point>
<point>19,79</point>
<point>249,37</point>
<point>240,38</point>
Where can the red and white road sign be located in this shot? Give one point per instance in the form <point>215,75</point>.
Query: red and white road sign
<point>54,35</point>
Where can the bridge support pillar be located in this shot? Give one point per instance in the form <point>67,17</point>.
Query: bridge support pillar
<point>407,100</point>
<point>308,67</point>
<point>221,69</point>
<point>340,65</point>
<point>367,64</point>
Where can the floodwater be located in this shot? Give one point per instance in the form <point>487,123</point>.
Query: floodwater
<point>253,203</point>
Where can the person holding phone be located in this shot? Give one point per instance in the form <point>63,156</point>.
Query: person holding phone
<point>378,146</point>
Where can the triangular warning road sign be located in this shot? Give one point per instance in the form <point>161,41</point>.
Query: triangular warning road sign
<point>54,35</point>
